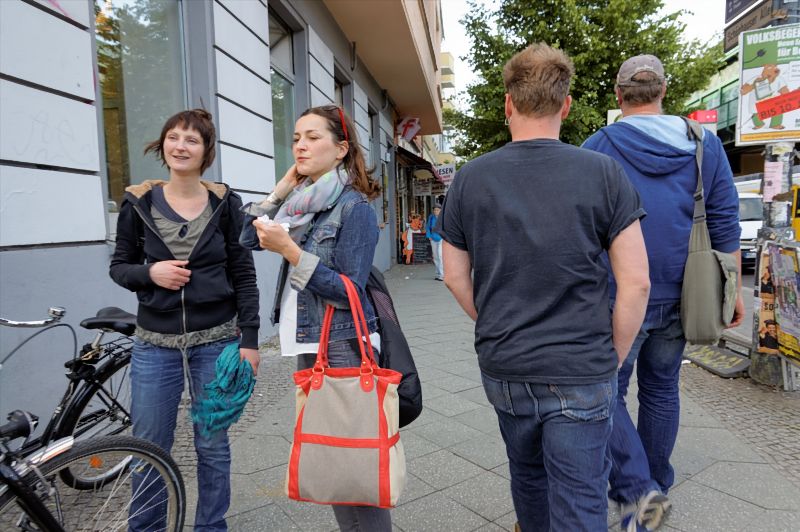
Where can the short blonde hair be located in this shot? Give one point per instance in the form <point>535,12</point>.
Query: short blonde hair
<point>537,78</point>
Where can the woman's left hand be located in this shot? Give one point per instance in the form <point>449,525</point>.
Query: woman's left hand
<point>252,356</point>
<point>273,237</point>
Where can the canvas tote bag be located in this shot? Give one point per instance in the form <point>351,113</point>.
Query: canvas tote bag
<point>710,278</point>
<point>346,447</point>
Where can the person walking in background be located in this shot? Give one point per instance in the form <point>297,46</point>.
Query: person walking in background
<point>323,201</point>
<point>659,159</point>
<point>436,242</point>
<point>552,385</point>
<point>178,249</point>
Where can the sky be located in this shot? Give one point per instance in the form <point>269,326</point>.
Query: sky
<point>706,21</point>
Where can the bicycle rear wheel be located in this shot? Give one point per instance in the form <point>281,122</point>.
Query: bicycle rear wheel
<point>102,406</point>
<point>147,493</point>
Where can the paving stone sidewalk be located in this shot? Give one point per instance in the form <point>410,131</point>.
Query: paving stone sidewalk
<point>458,469</point>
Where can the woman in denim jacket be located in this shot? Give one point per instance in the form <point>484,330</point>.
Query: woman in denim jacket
<point>321,222</point>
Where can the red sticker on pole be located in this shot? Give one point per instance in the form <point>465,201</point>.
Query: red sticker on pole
<point>777,105</point>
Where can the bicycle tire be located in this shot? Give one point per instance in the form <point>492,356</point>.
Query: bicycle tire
<point>110,504</point>
<point>99,409</point>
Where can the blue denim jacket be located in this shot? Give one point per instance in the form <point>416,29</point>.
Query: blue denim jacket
<point>339,240</point>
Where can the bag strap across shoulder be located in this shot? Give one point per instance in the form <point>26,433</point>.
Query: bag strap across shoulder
<point>695,133</point>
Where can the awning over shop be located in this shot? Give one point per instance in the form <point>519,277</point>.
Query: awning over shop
<point>423,169</point>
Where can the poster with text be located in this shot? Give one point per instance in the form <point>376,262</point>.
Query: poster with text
<point>769,85</point>
<point>784,266</point>
<point>767,326</point>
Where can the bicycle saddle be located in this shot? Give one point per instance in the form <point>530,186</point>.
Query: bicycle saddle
<point>112,318</point>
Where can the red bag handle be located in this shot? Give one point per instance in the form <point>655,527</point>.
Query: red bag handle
<point>362,331</point>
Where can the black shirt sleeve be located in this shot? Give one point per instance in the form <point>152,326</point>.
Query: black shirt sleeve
<point>626,206</point>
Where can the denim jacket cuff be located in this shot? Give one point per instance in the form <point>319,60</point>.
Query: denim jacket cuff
<point>305,268</point>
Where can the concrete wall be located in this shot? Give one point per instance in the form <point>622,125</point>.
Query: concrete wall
<point>53,220</point>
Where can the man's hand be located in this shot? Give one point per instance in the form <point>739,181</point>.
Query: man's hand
<point>170,274</point>
<point>252,356</point>
<point>738,312</point>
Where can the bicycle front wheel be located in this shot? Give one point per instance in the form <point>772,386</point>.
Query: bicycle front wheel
<point>145,493</point>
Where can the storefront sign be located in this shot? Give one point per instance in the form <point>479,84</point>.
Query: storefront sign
<point>734,7</point>
<point>756,19</point>
<point>769,102</point>
<point>408,128</point>
<point>446,173</point>
<point>422,188</point>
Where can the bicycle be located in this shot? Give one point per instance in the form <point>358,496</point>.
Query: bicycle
<point>97,399</point>
<point>57,483</point>
<point>131,479</point>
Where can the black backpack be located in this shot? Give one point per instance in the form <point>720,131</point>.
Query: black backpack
<point>395,353</point>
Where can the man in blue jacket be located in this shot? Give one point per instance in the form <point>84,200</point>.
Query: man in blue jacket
<point>658,157</point>
<point>436,242</point>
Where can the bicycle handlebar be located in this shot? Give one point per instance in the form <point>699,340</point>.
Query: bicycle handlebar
<point>55,313</point>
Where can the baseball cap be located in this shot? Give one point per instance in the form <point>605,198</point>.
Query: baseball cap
<point>636,65</point>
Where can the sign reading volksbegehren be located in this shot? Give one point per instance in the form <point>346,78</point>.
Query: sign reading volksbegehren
<point>769,86</point>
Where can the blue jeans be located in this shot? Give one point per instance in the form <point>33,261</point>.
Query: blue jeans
<point>156,386</point>
<point>436,251</point>
<point>556,438</point>
<point>640,455</point>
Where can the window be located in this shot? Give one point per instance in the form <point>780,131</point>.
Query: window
<point>711,101</point>
<point>338,93</point>
<point>282,79</point>
<point>140,59</point>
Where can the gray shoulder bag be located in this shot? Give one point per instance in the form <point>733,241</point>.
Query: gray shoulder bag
<point>708,297</point>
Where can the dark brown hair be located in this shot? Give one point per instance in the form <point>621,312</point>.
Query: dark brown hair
<point>197,119</point>
<point>353,161</point>
<point>537,78</point>
<point>650,89</point>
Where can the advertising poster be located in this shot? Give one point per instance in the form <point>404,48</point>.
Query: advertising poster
<point>784,269</point>
<point>767,326</point>
<point>769,91</point>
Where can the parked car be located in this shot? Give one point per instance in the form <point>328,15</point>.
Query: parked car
<point>751,217</point>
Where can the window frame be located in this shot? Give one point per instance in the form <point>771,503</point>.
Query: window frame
<point>198,72</point>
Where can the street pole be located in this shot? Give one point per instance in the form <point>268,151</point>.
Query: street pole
<point>766,368</point>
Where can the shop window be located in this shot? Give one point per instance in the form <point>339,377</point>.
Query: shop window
<point>282,79</point>
<point>140,60</point>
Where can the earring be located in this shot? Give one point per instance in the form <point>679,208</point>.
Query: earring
<point>507,121</point>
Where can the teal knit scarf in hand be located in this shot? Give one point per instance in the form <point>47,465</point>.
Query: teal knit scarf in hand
<point>226,396</point>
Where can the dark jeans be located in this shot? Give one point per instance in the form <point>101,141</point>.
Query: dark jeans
<point>640,454</point>
<point>556,438</point>
<point>157,381</point>
<point>343,353</point>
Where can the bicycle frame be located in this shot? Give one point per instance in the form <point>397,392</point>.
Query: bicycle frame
<point>78,384</point>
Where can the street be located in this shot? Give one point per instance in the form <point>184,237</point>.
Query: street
<point>737,458</point>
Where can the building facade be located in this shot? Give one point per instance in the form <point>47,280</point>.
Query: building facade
<point>86,84</point>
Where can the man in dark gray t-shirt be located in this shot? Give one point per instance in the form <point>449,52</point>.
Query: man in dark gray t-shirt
<point>525,230</point>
